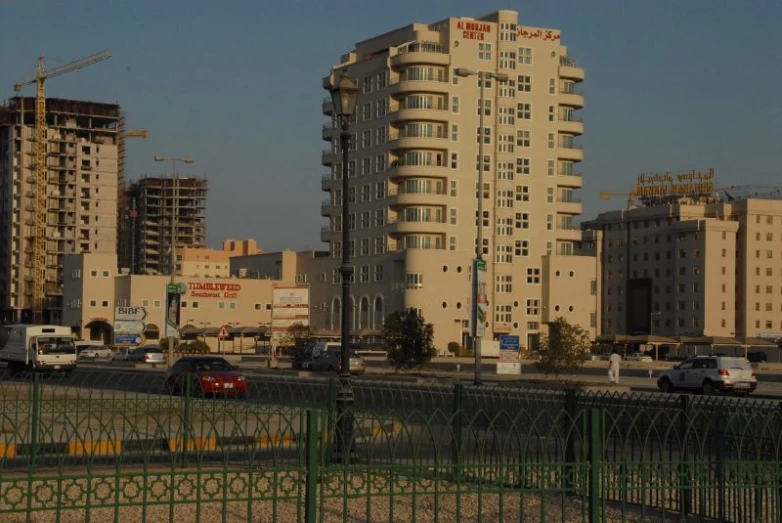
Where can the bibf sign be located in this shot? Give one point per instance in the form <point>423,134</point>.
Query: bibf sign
<point>130,313</point>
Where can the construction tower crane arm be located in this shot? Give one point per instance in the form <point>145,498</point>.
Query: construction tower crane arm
<point>62,69</point>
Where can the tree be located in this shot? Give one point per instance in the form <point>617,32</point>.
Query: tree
<point>563,349</point>
<point>299,338</point>
<point>410,339</point>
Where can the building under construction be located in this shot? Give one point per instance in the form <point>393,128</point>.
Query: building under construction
<point>155,204</point>
<point>84,182</point>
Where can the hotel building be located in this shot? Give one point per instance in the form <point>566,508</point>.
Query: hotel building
<point>692,268</point>
<point>413,181</point>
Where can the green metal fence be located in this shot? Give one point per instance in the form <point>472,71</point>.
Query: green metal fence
<point>116,447</point>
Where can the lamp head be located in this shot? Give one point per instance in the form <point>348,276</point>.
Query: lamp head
<point>344,95</point>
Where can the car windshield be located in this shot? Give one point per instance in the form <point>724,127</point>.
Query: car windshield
<point>56,345</point>
<point>208,365</point>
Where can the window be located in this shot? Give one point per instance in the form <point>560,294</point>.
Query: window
<point>366,112</point>
<point>414,281</point>
<point>93,303</point>
<point>452,243</point>
<point>522,193</point>
<point>522,166</point>
<point>363,276</point>
<point>533,276</point>
<point>507,115</point>
<point>484,51</point>
<point>524,111</point>
<point>551,167</point>
<point>522,248</point>
<point>550,195</point>
<point>486,106</point>
<point>366,85</point>
<point>552,86</point>
<point>366,138</point>
<point>378,273</point>
<point>551,141</point>
<point>552,113</point>
<point>454,160</point>
<point>522,220</point>
<point>455,132</point>
<point>94,273</point>
<point>380,163</point>
<point>364,247</point>
<point>381,108</point>
<point>105,274</point>
<point>366,192</point>
<point>507,59</point>
<point>381,135</point>
<point>454,187</point>
<point>366,166</point>
<point>232,305</point>
<point>380,245</point>
<point>502,313</point>
<point>505,143</point>
<point>382,79</point>
<point>454,104</point>
<point>380,218</point>
<point>533,307</point>
<point>523,138</point>
<point>503,254</point>
<point>525,55</point>
<point>524,83</point>
<point>380,190</point>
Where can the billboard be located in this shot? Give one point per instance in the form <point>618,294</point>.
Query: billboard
<point>657,188</point>
<point>172,311</point>
<point>480,301</point>
<point>290,305</point>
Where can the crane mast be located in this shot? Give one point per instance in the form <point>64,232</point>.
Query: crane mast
<point>41,172</point>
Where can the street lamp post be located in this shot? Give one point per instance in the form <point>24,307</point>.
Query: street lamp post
<point>651,332</point>
<point>344,95</point>
<point>174,197</point>
<point>478,319</point>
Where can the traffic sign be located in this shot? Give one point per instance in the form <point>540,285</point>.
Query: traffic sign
<point>223,334</point>
<point>130,313</point>
<point>129,327</point>
<point>133,340</point>
<point>172,288</point>
<point>509,343</point>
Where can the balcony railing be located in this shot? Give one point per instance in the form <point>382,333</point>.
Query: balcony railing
<point>569,174</point>
<point>571,91</point>
<point>570,119</point>
<point>567,61</point>
<point>421,47</point>
<point>401,219</point>
<point>568,227</point>
<point>569,199</point>
<point>440,134</point>
<point>566,145</point>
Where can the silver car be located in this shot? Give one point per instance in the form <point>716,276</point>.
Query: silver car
<point>147,354</point>
<point>87,350</point>
<point>709,374</point>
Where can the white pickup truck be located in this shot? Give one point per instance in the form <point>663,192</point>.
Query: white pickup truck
<point>47,348</point>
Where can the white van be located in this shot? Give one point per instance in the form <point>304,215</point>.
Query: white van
<point>48,348</point>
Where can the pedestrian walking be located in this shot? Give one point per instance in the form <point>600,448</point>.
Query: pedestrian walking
<point>613,366</point>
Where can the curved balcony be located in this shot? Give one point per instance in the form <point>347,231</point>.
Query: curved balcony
<point>399,170</point>
<point>418,86</point>
<point>329,132</point>
<point>328,106</point>
<point>328,183</point>
<point>327,208</point>
<point>569,232</point>
<point>404,114</point>
<point>572,206</point>
<point>396,227</point>
<point>573,153</point>
<point>573,99</point>
<point>326,233</point>
<point>418,57</point>
<point>400,141</point>
<point>329,157</point>
<point>570,70</point>
<point>570,180</point>
<point>573,126</point>
<point>429,199</point>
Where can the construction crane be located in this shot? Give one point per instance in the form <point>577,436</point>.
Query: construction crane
<point>39,237</point>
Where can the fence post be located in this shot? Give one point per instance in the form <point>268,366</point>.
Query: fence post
<point>569,430</point>
<point>331,408</point>
<point>595,458</point>
<point>311,485</point>
<point>35,421</point>
<point>456,428</point>
<point>685,494</point>
<point>187,423</point>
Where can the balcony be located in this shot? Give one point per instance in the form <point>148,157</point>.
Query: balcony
<point>328,106</point>
<point>328,183</point>
<point>401,140</point>
<point>397,226</point>
<point>569,69</point>
<point>571,125</point>
<point>568,231</point>
<point>402,199</point>
<point>404,114</point>
<point>430,53</point>
<point>431,85</point>
<point>569,205</point>
<point>571,152</point>
<point>399,170</point>
<point>329,157</point>
<point>327,208</point>
<point>329,131</point>
<point>571,98</point>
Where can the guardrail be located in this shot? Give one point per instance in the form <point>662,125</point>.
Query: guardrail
<point>119,446</point>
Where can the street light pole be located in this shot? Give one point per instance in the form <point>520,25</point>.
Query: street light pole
<point>651,332</point>
<point>344,96</point>
<point>174,210</point>
<point>478,319</point>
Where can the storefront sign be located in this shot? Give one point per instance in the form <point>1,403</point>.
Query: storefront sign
<point>541,34</point>
<point>473,30</point>
<point>290,305</point>
<point>213,290</point>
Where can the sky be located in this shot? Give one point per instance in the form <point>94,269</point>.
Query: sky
<point>237,85</point>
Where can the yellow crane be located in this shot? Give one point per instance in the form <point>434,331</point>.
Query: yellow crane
<point>39,237</point>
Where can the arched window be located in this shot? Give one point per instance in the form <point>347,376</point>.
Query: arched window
<point>378,313</point>
<point>364,315</point>
<point>336,314</point>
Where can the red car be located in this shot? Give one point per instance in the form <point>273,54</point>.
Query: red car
<point>212,376</point>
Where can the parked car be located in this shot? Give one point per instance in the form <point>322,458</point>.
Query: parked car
<point>122,354</point>
<point>639,356</point>
<point>757,357</point>
<point>709,374</point>
<point>331,360</point>
<point>213,376</point>
<point>93,350</point>
<point>147,354</point>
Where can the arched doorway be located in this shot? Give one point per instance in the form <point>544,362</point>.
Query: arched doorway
<point>378,314</point>
<point>336,314</point>
<point>100,330</point>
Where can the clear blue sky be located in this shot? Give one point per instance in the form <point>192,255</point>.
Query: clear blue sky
<point>237,85</point>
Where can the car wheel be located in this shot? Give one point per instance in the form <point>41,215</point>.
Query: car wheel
<point>666,386</point>
<point>707,388</point>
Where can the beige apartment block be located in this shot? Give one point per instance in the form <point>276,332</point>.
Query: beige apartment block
<point>213,263</point>
<point>93,289</point>
<point>685,269</point>
<point>83,181</point>
<point>165,211</point>
<point>413,180</point>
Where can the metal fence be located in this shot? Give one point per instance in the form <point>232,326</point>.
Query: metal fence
<point>116,446</point>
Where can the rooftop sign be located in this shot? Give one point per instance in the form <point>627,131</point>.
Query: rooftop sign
<point>658,188</point>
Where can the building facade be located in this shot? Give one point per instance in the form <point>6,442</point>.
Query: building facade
<point>413,179</point>
<point>159,208</point>
<point>214,263</point>
<point>691,269</point>
<point>83,181</point>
